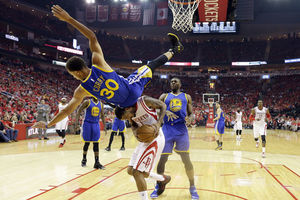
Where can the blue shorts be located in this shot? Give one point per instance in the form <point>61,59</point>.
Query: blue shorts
<point>90,132</point>
<point>138,80</point>
<point>176,134</point>
<point>118,125</point>
<point>219,127</point>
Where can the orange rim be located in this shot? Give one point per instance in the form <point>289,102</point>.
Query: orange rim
<point>184,3</point>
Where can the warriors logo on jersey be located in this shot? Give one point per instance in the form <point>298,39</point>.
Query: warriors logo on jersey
<point>95,111</point>
<point>175,105</point>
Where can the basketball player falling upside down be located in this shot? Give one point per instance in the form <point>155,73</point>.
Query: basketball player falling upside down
<point>146,155</point>
<point>101,81</point>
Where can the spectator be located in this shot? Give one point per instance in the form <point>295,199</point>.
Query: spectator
<point>43,111</point>
<point>3,135</point>
<point>11,133</point>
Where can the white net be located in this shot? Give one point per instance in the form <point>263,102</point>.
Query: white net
<point>183,11</point>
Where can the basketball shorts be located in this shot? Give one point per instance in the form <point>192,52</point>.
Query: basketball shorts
<point>219,127</point>
<point>146,155</point>
<point>238,126</point>
<point>90,132</point>
<point>137,81</point>
<point>118,125</point>
<point>176,135</point>
<point>259,129</point>
<point>62,125</point>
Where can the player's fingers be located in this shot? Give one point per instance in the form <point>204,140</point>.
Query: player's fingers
<point>55,8</point>
<point>59,8</point>
<point>55,12</point>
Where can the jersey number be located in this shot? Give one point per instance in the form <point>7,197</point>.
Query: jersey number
<point>112,86</point>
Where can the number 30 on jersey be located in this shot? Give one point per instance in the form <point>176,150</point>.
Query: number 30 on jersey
<point>111,87</point>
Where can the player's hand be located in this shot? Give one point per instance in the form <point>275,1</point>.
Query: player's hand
<point>60,13</point>
<point>171,116</point>
<point>188,121</point>
<point>40,124</point>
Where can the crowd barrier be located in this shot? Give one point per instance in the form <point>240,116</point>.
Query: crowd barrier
<point>27,132</point>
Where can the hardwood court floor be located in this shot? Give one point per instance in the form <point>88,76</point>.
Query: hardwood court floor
<point>35,169</point>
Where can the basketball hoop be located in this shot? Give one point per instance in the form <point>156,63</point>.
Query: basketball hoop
<point>183,11</point>
<point>211,102</point>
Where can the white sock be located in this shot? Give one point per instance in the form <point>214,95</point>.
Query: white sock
<point>62,140</point>
<point>144,195</point>
<point>264,149</point>
<point>156,177</point>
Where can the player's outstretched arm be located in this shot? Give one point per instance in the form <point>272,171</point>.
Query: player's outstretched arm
<point>78,96</point>
<point>97,57</point>
<point>82,107</point>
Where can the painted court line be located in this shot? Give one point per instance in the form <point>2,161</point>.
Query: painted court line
<point>227,174</point>
<point>181,188</point>
<point>86,189</point>
<point>283,186</point>
<point>69,181</point>
<point>291,171</point>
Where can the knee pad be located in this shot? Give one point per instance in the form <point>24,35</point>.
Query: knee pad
<point>256,139</point>
<point>263,139</point>
<point>63,133</point>
<point>114,133</point>
<point>96,147</point>
<point>86,146</point>
<point>122,134</point>
<point>58,132</point>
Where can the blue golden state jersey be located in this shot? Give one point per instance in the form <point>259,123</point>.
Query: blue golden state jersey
<point>222,117</point>
<point>177,104</point>
<point>93,111</point>
<point>112,88</point>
